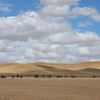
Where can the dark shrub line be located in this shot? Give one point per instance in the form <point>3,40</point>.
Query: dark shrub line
<point>46,76</point>
<point>19,76</point>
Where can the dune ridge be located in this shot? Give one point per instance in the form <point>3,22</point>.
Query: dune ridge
<point>80,69</point>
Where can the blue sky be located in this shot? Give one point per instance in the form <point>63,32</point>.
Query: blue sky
<point>24,5</point>
<point>95,4</point>
<point>91,3</point>
<point>65,31</point>
<point>18,6</point>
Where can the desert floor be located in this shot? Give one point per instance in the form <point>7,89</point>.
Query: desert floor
<point>49,89</point>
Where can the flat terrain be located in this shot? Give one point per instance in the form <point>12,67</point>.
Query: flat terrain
<point>50,89</point>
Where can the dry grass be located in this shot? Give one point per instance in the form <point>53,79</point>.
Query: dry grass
<point>49,89</point>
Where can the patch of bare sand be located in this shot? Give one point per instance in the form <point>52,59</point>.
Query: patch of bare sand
<point>49,89</point>
<point>43,67</point>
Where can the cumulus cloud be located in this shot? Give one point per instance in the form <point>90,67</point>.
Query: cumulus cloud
<point>29,24</point>
<point>31,51</point>
<point>60,2</point>
<point>48,35</point>
<point>72,38</point>
<point>56,11</point>
<point>85,11</point>
<point>66,12</point>
<point>64,9</point>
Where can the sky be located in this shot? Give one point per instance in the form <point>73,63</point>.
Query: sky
<point>55,31</point>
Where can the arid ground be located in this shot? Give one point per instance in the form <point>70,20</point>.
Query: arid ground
<point>50,89</point>
<point>86,69</point>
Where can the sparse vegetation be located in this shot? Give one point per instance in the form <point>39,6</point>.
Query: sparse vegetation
<point>3,76</point>
<point>13,76</point>
<point>94,76</point>
<point>65,76</point>
<point>73,76</point>
<point>59,76</point>
<point>21,76</point>
<point>36,76</point>
<point>43,76</point>
<point>49,76</point>
<point>17,75</point>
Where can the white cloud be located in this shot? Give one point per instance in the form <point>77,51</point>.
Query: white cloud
<point>83,51</point>
<point>85,11</point>
<point>61,2</point>
<point>72,38</point>
<point>4,58</point>
<point>69,12</point>
<point>56,11</point>
<point>96,17</point>
<point>30,51</point>
<point>29,24</point>
<point>84,24</point>
<point>47,35</point>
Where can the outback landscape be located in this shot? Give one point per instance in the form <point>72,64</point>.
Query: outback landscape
<point>86,69</point>
<point>48,81</point>
<point>49,49</point>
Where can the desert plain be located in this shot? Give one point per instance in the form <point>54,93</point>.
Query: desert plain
<point>50,89</point>
<point>28,87</point>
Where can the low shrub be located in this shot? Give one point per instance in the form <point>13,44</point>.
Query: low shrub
<point>2,76</point>
<point>36,76</point>
<point>73,76</point>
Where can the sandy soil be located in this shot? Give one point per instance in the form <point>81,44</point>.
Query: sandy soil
<point>49,89</point>
<point>45,67</point>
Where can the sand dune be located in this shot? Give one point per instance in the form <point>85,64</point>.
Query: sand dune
<point>86,68</point>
